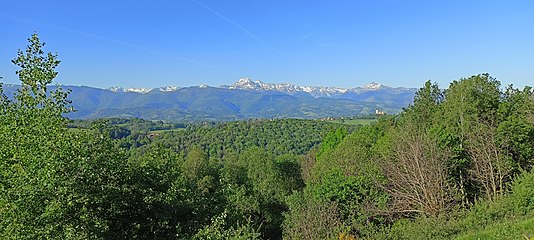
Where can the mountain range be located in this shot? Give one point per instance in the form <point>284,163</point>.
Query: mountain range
<point>244,99</point>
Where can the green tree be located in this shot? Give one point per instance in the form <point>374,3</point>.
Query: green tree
<point>515,132</point>
<point>54,184</point>
<point>426,103</point>
<point>31,126</point>
<point>417,168</point>
<point>470,104</point>
<point>331,140</point>
<point>256,187</point>
<point>157,197</point>
<point>311,218</point>
<point>350,176</point>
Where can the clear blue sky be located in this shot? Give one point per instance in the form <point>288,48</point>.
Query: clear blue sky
<point>326,43</point>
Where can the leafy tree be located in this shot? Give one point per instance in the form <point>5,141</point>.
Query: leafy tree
<point>220,230</point>
<point>30,125</point>
<point>256,186</point>
<point>311,218</point>
<point>426,103</point>
<point>331,140</point>
<point>470,103</point>
<point>515,133</point>
<point>157,197</point>
<point>350,176</point>
<point>53,183</point>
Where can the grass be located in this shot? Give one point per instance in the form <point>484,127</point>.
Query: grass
<point>504,230</point>
<point>510,216</point>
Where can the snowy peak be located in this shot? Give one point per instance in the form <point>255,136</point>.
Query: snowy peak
<point>143,90</point>
<point>138,90</point>
<point>257,85</point>
<point>168,89</point>
<point>116,89</point>
<point>135,90</point>
<point>373,86</point>
<point>249,84</point>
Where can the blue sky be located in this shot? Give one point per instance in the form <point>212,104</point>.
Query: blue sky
<point>344,43</point>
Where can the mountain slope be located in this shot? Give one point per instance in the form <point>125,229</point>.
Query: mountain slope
<point>243,100</point>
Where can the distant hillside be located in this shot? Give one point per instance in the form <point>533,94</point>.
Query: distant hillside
<point>243,100</point>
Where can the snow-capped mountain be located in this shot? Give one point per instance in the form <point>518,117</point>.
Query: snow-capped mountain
<point>373,86</point>
<point>135,90</point>
<point>315,91</point>
<point>248,84</point>
<point>168,89</point>
<point>244,99</point>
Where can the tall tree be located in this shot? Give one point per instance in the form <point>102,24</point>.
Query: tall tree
<point>468,104</point>
<point>515,132</point>
<point>53,183</point>
<point>30,127</point>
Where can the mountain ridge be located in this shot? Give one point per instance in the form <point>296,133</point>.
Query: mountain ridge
<point>242,100</point>
<point>289,88</point>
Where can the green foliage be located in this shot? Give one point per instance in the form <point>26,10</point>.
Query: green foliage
<point>37,70</point>
<point>426,103</point>
<point>517,229</point>
<point>467,142</point>
<point>157,197</point>
<point>219,230</point>
<point>331,140</point>
<point>357,197</point>
<point>287,167</point>
<point>467,123</point>
<point>352,153</point>
<point>515,131</point>
<point>523,193</point>
<point>349,176</point>
<point>53,183</point>
<point>256,187</point>
<point>283,136</point>
<point>470,99</point>
<point>311,218</point>
<point>507,217</point>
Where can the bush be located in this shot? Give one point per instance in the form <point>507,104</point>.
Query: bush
<point>522,196</point>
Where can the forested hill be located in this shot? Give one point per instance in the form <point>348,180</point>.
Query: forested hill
<point>224,104</point>
<point>276,136</point>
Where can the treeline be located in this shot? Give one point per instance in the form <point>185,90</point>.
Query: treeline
<point>130,124</point>
<point>278,136</point>
<point>456,162</point>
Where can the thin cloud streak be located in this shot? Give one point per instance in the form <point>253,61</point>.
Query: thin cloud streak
<point>113,40</point>
<point>241,28</point>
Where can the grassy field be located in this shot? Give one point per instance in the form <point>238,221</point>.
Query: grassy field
<point>504,230</point>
